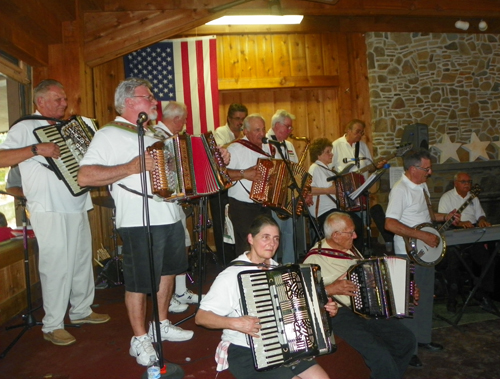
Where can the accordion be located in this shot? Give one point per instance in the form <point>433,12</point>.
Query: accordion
<point>289,302</point>
<point>73,138</point>
<point>347,184</point>
<point>274,189</point>
<point>187,167</point>
<point>386,287</point>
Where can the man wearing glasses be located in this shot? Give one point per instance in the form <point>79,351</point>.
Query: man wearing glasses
<point>350,147</point>
<point>407,208</point>
<point>281,128</point>
<point>113,159</point>
<point>473,215</point>
<point>385,344</point>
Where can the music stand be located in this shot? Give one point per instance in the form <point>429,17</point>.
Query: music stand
<point>364,190</point>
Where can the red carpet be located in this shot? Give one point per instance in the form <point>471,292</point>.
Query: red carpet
<point>101,351</point>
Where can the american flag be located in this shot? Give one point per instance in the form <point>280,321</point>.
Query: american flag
<point>183,70</point>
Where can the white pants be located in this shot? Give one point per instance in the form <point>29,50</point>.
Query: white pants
<point>65,266</point>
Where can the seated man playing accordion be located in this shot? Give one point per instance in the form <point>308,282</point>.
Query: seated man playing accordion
<point>385,344</point>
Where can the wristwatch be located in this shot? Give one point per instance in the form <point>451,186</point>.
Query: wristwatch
<point>34,149</point>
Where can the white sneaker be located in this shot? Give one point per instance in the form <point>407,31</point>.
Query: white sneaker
<point>170,332</point>
<point>142,349</point>
<point>188,297</point>
<point>176,306</point>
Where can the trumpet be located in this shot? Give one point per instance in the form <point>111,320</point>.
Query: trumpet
<point>298,138</point>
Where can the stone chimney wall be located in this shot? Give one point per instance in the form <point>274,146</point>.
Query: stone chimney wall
<point>451,83</point>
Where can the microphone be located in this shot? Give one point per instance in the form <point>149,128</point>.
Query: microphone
<point>142,118</point>
<point>271,141</point>
<point>347,160</point>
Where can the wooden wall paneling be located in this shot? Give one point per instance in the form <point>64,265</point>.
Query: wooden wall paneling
<point>345,101</point>
<point>265,104</point>
<point>106,78</point>
<point>265,57</point>
<point>330,54</point>
<point>281,55</point>
<point>231,57</point>
<point>248,49</point>
<point>361,97</point>
<point>314,54</point>
<point>297,53</point>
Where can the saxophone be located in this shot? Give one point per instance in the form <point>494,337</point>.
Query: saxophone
<point>307,185</point>
<point>304,153</point>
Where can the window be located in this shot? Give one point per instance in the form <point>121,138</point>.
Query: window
<point>14,103</point>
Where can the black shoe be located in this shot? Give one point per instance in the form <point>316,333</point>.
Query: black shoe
<point>488,305</point>
<point>415,361</point>
<point>431,346</point>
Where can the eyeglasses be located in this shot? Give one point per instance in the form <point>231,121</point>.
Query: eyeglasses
<point>149,98</point>
<point>351,233</point>
<point>289,127</point>
<point>238,118</point>
<point>464,181</point>
<point>426,169</point>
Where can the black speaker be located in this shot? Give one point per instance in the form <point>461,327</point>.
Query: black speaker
<point>417,135</point>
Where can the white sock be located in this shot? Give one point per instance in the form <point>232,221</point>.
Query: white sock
<point>180,284</point>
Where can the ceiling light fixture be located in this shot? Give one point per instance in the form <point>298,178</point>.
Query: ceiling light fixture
<point>257,20</point>
<point>462,25</point>
<point>483,26</point>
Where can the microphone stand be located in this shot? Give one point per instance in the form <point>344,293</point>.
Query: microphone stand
<point>173,370</point>
<point>29,319</point>
<point>294,187</point>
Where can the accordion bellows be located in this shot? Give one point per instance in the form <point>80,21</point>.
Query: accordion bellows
<point>289,302</point>
<point>187,167</point>
<point>274,189</point>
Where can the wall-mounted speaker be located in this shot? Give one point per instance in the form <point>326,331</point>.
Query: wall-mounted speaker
<point>417,135</point>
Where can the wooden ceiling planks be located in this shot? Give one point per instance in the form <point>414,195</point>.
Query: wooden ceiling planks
<point>109,35</point>
<point>116,27</point>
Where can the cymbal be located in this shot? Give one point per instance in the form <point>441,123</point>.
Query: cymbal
<point>104,201</point>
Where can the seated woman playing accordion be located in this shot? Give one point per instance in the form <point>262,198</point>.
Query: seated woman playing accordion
<point>221,309</point>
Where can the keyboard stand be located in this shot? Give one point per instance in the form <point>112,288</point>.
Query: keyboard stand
<point>477,281</point>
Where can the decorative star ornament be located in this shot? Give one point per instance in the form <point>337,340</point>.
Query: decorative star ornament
<point>476,148</point>
<point>447,149</point>
<point>497,144</point>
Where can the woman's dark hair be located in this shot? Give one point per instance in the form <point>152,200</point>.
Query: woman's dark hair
<point>317,147</point>
<point>259,222</point>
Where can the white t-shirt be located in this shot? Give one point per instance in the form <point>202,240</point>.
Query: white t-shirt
<point>242,158</point>
<point>113,146</point>
<point>43,190</point>
<point>290,152</point>
<point>452,200</point>
<point>407,204</point>
<point>223,299</point>
<point>342,149</point>
<point>320,172</point>
<point>223,135</point>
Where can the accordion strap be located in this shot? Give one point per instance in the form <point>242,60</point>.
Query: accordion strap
<point>255,148</point>
<point>37,117</point>
<point>245,263</point>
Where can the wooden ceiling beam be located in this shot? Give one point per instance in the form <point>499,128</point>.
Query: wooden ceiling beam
<point>33,18</point>
<point>109,35</point>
